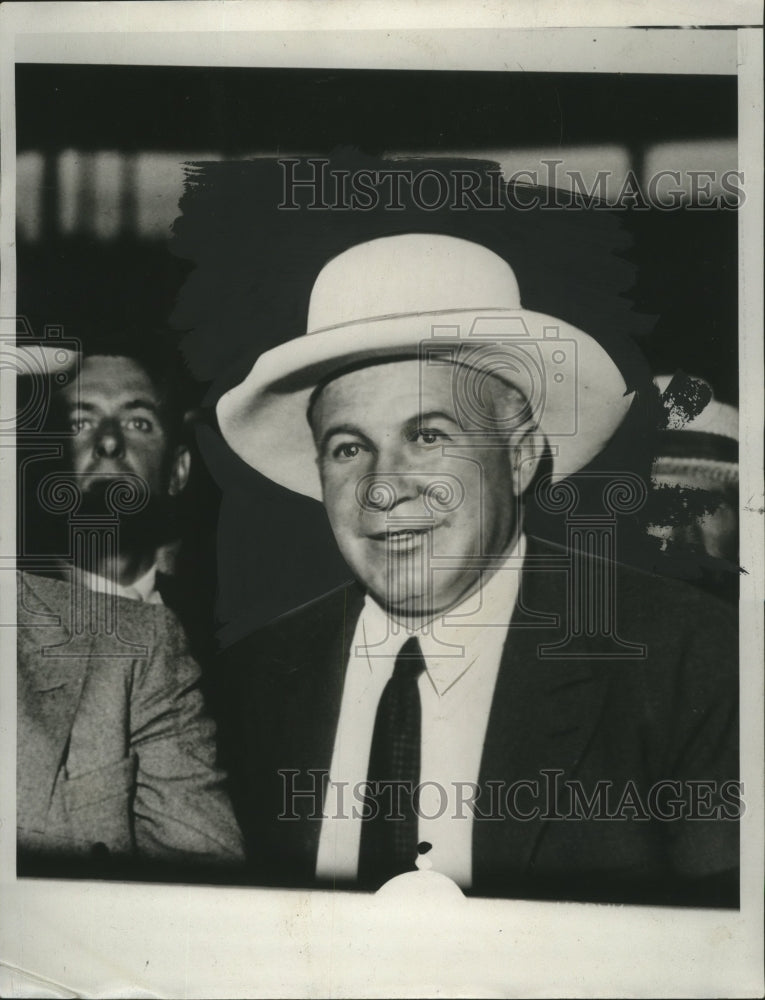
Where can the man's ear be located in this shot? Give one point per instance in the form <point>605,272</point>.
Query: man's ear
<point>179,474</point>
<point>525,452</point>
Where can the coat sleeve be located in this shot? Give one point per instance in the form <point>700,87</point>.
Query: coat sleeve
<point>182,813</point>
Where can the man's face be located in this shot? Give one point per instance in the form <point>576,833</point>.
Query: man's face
<point>416,499</point>
<point>115,412</point>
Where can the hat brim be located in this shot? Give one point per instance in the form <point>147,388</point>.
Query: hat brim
<point>582,394</point>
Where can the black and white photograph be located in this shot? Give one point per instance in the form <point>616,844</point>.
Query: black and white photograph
<point>382,501</point>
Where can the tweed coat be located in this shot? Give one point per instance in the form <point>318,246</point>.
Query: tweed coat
<point>116,760</point>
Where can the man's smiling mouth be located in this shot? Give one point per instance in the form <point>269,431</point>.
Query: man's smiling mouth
<point>403,538</point>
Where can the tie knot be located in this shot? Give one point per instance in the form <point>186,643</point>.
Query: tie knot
<point>410,662</point>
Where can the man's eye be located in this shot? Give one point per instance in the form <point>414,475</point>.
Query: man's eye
<point>430,435</point>
<point>79,424</point>
<point>139,424</point>
<point>347,450</point>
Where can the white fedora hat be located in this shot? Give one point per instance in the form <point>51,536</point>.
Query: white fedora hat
<point>403,296</point>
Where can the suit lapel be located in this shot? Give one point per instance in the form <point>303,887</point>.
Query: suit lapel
<point>543,714</point>
<point>323,673</point>
<point>309,689</point>
<point>49,690</point>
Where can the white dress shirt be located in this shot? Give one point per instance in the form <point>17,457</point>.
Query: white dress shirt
<point>462,652</point>
<point>143,589</point>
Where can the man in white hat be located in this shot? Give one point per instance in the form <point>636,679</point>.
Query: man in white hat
<point>448,702</point>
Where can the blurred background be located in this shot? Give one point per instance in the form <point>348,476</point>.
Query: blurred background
<point>100,173</point>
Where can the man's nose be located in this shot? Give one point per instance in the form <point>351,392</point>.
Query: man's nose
<point>110,441</point>
<point>395,479</point>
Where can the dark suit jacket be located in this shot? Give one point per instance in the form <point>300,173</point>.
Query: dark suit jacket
<point>191,600</point>
<point>116,765</point>
<point>576,713</point>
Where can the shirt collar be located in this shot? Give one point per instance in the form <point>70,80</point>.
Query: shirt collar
<point>143,589</point>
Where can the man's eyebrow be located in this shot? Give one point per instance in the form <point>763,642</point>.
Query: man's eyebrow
<point>141,404</point>
<point>131,404</point>
<point>421,418</point>
<point>341,429</point>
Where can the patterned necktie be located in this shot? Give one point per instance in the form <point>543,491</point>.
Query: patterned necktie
<point>389,829</point>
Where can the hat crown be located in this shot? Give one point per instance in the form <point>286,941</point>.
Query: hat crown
<point>410,274</point>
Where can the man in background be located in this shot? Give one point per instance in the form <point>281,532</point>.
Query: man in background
<point>116,755</point>
<point>127,415</point>
<point>693,514</point>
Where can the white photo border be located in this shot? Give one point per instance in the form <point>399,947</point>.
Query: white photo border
<point>73,938</point>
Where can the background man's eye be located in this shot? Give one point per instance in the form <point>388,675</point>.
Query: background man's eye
<point>79,424</point>
<point>139,424</point>
<point>348,450</point>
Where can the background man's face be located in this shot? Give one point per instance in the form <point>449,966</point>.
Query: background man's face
<point>116,413</point>
<point>411,497</point>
